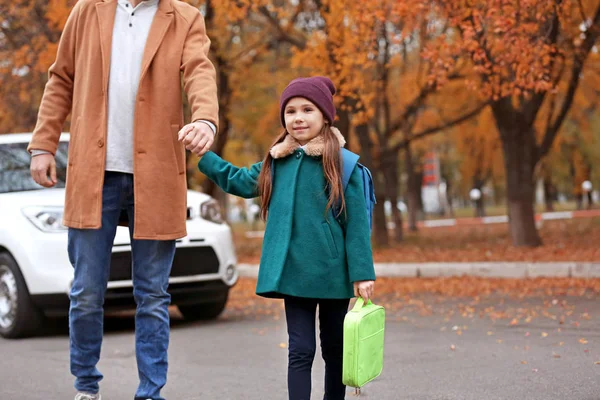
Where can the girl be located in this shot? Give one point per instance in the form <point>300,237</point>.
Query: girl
<point>308,257</point>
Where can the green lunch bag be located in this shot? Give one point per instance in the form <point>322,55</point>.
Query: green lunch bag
<point>363,344</point>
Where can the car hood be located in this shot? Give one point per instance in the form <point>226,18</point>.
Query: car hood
<point>56,197</point>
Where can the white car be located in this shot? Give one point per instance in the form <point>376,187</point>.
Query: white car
<point>35,272</point>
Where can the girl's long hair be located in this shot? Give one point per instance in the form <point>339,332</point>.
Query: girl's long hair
<point>332,167</point>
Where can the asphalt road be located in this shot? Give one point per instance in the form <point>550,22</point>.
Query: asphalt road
<point>437,348</point>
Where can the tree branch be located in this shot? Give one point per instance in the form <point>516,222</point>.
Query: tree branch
<point>414,106</point>
<point>578,63</point>
<point>282,33</point>
<point>446,125</point>
<point>582,12</point>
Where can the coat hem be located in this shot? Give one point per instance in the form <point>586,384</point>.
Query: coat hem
<point>165,236</point>
<point>273,294</point>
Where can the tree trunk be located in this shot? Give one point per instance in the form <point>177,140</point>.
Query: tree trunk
<point>380,226</point>
<point>224,93</point>
<point>590,200</point>
<point>579,201</point>
<point>343,124</point>
<point>479,208</point>
<point>549,194</point>
<point>414,187</point>
<point>479,203</point>
<point>447,209</point>
<point>519,162</point>
<point>389,161</point>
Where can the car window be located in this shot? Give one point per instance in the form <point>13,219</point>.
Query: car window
<point>14,167</point>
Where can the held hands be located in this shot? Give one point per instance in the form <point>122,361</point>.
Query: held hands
<point>197,137</point>
<point>364,289</point>
<point>41,166</point>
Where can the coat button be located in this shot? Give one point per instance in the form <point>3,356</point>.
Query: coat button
<point>298,154</point>
<point>100,143</point>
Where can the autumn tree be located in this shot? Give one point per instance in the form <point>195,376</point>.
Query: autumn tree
<point>372,51</point>
<point>521,51</point>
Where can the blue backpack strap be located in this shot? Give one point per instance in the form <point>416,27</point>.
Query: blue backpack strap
<point>369,192</point>
<point>349,161</point>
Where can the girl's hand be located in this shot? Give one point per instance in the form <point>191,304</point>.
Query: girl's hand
<point>364,289</point>
<point>197,137</point>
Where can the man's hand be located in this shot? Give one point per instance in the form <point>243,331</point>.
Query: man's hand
<point>364,289</point>
<point>41,166</point>
<point>197,137</point>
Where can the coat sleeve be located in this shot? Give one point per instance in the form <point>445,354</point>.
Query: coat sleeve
<point>242,182</point>
<point>359,254</point>
<point>58,93</point>
<point>199,76</point>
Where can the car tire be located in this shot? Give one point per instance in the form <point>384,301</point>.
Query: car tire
<point>203,311</point>
<point>18,315</point>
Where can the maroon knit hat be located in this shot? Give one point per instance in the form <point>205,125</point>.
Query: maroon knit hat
<point>318,89</point>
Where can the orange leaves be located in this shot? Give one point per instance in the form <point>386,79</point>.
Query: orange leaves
<point>503,41</point>
<point>57,13</point>
<point>30,33</point>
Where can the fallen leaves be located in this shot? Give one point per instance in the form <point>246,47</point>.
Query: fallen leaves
<point>583,341</point>
<point>565,240</point>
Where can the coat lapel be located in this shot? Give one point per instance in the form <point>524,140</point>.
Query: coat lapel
<point>106,20</point>
<point>160,24</point>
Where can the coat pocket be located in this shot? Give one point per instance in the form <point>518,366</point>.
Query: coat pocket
<point>73,138</point>
<point>330,241</point>
<point>178,149</point>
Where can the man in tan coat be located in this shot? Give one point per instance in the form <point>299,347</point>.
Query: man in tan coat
<point>118,71</point>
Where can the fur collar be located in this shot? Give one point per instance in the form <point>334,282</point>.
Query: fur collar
<point>313,148</point>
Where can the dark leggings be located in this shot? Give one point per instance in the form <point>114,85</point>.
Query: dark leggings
<point>300,314</point>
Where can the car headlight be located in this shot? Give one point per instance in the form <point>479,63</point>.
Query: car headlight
<point>46,219</point>
<point>210,210</point>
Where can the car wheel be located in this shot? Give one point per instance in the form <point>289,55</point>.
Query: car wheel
<point>18,316</point>
<point>203,311</point>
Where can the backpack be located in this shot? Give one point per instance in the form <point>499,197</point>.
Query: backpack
<point>349,161</point>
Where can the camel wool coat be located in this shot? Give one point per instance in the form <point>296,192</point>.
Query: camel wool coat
<point>177,47</point>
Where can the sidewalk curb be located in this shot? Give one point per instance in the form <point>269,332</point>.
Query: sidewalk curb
<point>480,269</point>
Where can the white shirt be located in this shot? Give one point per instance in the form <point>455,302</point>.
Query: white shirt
<point>129,37</point>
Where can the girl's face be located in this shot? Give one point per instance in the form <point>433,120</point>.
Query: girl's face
<point>303,120</point>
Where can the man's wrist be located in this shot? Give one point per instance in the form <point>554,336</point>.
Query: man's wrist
<point>35,152</point>
<point>210,124</point>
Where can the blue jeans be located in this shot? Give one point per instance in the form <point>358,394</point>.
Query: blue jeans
<point>90,254</point>
<point>300,315</point>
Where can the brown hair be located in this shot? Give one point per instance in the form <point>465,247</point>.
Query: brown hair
<point>332,167</point>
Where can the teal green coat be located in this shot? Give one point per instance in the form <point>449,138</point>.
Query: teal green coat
<point>305,253</point>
